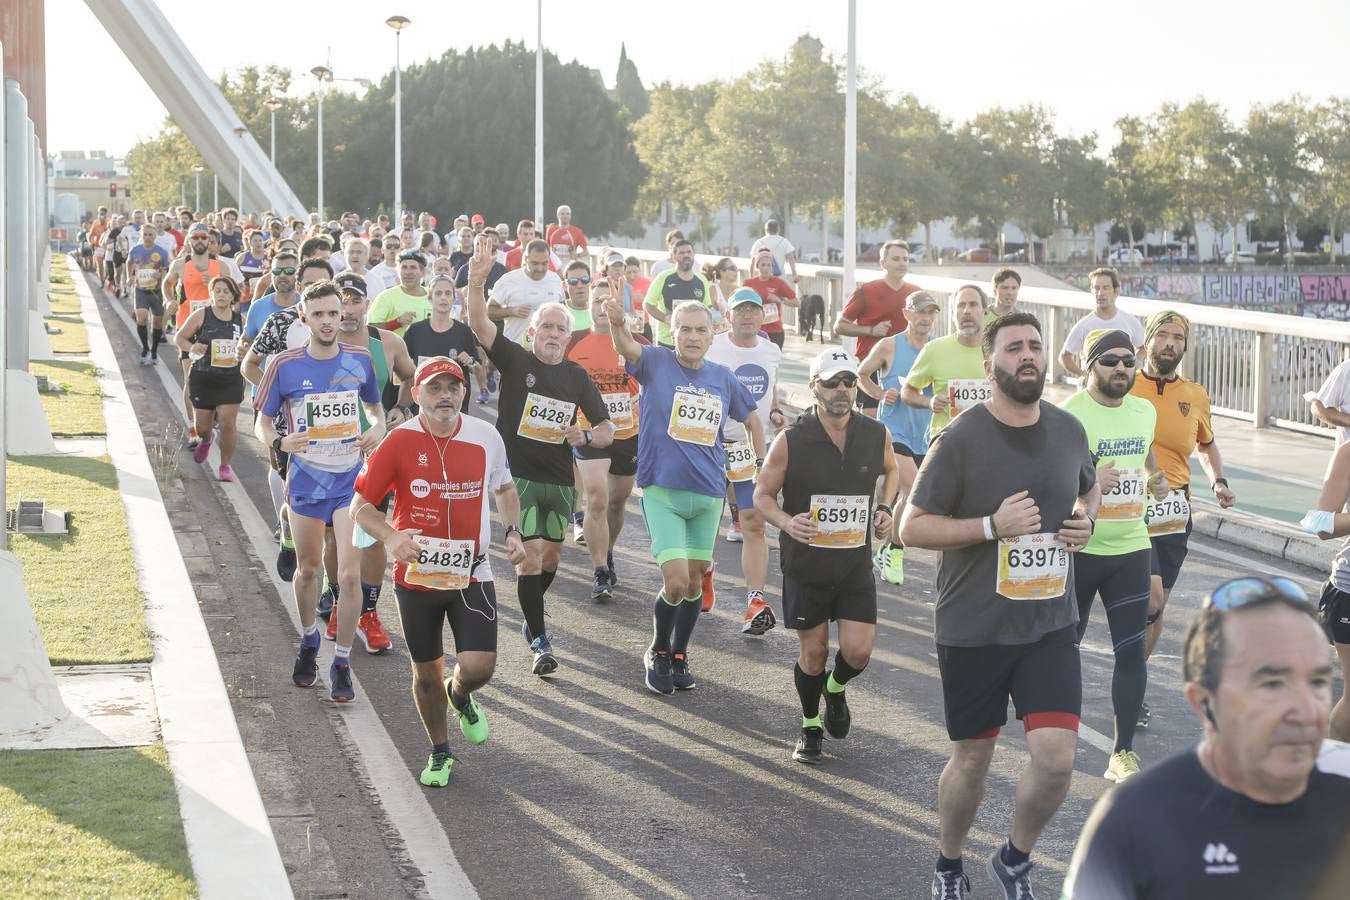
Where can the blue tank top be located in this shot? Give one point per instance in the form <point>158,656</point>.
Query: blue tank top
<point>908,426</point>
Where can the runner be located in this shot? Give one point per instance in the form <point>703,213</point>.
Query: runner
<point>525,233</point>
<point>577,284</point>
<point>563,238</point>
<point>1330,520</point>
<point>1005,284</point>
<point>672,287</point>
<point>1105,284</point>
<point>775,292</point>
<point>252,263</point>
<point>384,276</point>
<point>755,361</point>
<point>231,238</point>
<point>877,309</point>
<point>953,365</point>
<point>441,566</point>
<point>537,419</point>
<point>1183,428</point>
<point>892,358</point>
<point>826,465</point>
<point>398,307</point>
<point>682,472</point>
<point>606,473</point>
<point>1115,563</point>
<point>318,386</point>
<point>210,338</point>
<point>1006,493</point>
<point>189,276</point>
<point>150,262</point>
<point>673,237</point>
<point>784,254</point>
<point>516,295</point>
<point>441,335</point>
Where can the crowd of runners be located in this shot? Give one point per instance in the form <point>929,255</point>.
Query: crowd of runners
<point>407,383</point>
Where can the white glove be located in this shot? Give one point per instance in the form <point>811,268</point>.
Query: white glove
<point>1318,521</point>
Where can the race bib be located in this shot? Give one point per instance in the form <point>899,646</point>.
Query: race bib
<point>620,408</point>
<point>332,425</point>
<point>563,251</point>
<point>1168,515</point>
<point>963,393</point>
<point>545,419</point>
<point>841,520</point>
<point>224,353</point>
<point>770,313</point>
<point>695,418</point>
<point>442,565</point>
<point>1125,501</point>
<point>146,279</point>
<point>1031,567</point>
<point>740,462</point>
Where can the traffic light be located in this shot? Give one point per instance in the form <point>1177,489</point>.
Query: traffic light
<point>112,190</point>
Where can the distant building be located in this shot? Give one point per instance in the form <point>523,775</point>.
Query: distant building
<point>82,181</point>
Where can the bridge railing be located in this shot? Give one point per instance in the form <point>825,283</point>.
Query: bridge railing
<point>1256,366</point>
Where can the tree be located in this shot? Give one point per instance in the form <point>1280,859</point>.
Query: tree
<point>1185,153</point>
<point>673,141</point>
<point>628,88</point>
<point>1277,150</point>
<point>1081,201</point>
<point>1133,186</point>
<point>1329,142</point>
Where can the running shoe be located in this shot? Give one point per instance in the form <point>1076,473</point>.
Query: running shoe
<point>306,666</point>
<point>154,359</point>
<point>483,397</point>
<point>437,772</point>
<point>326,602</point>
<point>660,678</point>
<point>545,663</point>
<point>1141,721</point>
<point>950,886</point>
<point>709,597</point>
<point>331,631</point>
<point>808,746</point>
<point>734,534</point>
<point>1124,764</point>
<point>286,562</point>
<point>492,381</point>
<point>340,677</point>
<point>1015,880</point>
<point>203,448</point>
<point>193,440</point>
<point>370,631</point>
<point>838,719</point>
<point>759,616</point>
<point>473,722</point>
<point>144,358</point>
<point>890,562</point>
<point>609,562</point>
<point>579,534</point>
<point>601,591</point>
<point>226,473</point>
<point>680,676</point>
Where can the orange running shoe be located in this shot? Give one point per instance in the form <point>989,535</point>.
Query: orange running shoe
<point>331,633</point>
<point>759,616</point>
<point>370,631</point>
<point>709,596</point>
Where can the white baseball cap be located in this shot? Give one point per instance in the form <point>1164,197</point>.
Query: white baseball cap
<point>832,362</point>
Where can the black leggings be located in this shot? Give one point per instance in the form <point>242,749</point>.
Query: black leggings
<point>1123,583</point>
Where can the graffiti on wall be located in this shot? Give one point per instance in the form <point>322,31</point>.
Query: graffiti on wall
<point>1319,296</point>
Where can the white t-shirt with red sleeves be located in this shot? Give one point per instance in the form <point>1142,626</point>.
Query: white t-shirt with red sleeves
<point>564,239</point>
<point>441,486</point>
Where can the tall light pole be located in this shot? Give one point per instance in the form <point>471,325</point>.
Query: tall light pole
<point>198,168</point>
<point>398,23</point>
<point>851,153</point>
<point>539,117</point>
<point>324,75</point>
<point>239,132</point>
<point>273,104</point>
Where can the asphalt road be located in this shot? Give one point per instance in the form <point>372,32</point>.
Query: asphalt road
<point>593,786</point>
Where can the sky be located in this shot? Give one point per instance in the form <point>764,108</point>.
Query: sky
<point>1088,63</point>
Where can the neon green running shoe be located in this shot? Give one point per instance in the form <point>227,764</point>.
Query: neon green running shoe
<point>1123,765</point>
<point>437,772</point>
<point>891,561</point>
<point>472,721</point>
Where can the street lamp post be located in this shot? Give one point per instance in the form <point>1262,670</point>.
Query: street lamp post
<point>198,168</point>
<point>324,75</point>
<point>273,104</point>
<point>398,23</point>
<point>239,132</point>
<point>851,153</point>
<point>539,117</point>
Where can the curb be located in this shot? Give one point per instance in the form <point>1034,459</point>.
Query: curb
<point>229,837</point>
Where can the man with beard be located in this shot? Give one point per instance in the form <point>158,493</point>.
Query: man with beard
<point>1115,563</point>
<point>1183,428</point>
<point>321,388</point>
<point>1006,492</point>
<point>953,365</point>
<point>191,276</point>
<point>673,287</point>
<point>537,418</point>
<point>826,464</point>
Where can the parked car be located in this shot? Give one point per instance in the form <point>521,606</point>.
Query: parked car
<point>1242,257</point>
<point>976,255</point>
<point>1126,256</point>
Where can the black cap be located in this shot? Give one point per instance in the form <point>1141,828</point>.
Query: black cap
<point>350,281</point>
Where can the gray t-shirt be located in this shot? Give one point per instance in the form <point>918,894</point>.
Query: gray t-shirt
<point>972,466</point>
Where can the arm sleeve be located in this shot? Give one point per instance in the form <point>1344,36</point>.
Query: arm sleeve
<point>938,489</point>
<point>267,341</point>
<point>499,469</point>
<point>742,406</point>
<point>1103,866</point>
<point>654,294</point>
<point>268,401</point>
<point>504,352</point>
<point>381,309</point>
<point>1204,432</point>
<point>581,237</point>
<point>254,321</point>
<point>785,289</point>
<point>1332,392</point>
<point>378,475</point>
<point>855,305</point>
<point>919,376</point>
<point>592,404</point>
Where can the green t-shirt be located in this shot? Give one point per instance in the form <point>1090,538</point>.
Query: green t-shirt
<point>944,360</point>
<point>667,291</point>
<point>393,303</point>
<point>1122,436</point>
<point>581,318</point>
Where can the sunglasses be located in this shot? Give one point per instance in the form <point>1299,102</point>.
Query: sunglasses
<point>1112,361</point>
<point>285,270</point>
<point>847,381</point>
<point>574,280</point>
<point>1240,592</point>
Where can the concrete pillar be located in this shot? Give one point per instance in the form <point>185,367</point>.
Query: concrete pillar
<point>39,347</point>
<point>29,697</point>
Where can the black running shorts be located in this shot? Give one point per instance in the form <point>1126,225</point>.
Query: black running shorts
<point>472,613</point>
<point>807,605</point>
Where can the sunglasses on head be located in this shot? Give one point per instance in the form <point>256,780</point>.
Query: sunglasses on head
<point>578,279</point>
<point>1111,361</point>
<point>1240,592</point>
<point>284,270</point>
<point>844,380</point>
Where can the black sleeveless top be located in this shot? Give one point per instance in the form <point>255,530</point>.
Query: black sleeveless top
<point>216,329</point>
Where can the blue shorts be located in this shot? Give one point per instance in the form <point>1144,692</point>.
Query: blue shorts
<point>321,508</point>
<point>744,492</point>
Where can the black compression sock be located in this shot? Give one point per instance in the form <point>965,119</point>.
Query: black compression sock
<point>948,865</point>
<point>686,617</point>
<point>143,332</point>
<point>663,622</point>
<point>1011,856</point>
<point>157,339</point>
<point>531,595</point>
<point>843,673</point>
<point>808,690</point>
<point>546,580</point>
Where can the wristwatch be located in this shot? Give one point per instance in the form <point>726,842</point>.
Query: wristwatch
<point>587,435</point>
<point>510,528</point>
<point>1219,481</point>
<point>276,446</point>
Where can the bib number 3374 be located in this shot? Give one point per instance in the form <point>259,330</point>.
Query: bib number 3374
<point>1031,567</point>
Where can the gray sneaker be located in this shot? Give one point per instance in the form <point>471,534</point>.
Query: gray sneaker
<point>950,886</point>
<point>1015,881</point>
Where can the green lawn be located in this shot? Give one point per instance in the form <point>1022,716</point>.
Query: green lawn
<point>74,337</point>
<point>91,823</point>
<point>80,409</point>
<point>82,586</point>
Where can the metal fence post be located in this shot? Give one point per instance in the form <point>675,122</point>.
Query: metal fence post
<point>1050,339</point>
<point>1262,370</point>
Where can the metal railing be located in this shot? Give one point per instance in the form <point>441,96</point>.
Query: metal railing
<point>1256,366</point>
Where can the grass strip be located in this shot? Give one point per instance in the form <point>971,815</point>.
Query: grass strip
<point>91,823</point>
<point>83,586</point>
<point>78,410</point>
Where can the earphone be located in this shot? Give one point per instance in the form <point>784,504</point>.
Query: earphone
<point>1209,713</point>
